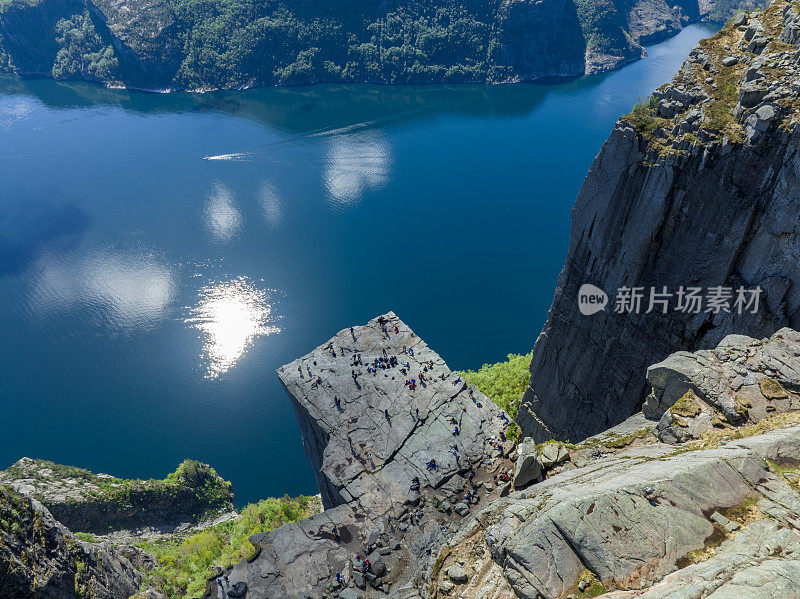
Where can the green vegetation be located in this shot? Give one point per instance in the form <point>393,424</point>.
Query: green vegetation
<point>85,536</point>
<point>687,405</point>
<point>720,111</point>
<point>642,116</point>
<point>82,53</point>
<point>772,389</point>
<point>600,22</point>
<point>239,41</point>
<point>184,565</point>
<point>504,383</point>
<point>592,587</point>
<point>746,512</point>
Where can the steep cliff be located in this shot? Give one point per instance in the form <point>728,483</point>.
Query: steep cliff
<point>98,503</point>
<point>40,558</point>
<point>621,513</point>
<point>394,461</point>
<point>193,44</point>
<point>697,187</point>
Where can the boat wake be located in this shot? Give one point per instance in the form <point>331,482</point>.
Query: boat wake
<point>234,156</point>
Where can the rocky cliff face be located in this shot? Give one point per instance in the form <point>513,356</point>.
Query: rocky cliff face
<point>171,44</point>
<point>703,503</point>
<point>623,513</point>
<point>398,465</point>
<point>698,187</point>
<point>40,558</point>
<point>98,503</point>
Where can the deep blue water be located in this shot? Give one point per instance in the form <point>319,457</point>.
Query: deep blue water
<point>148,294</point>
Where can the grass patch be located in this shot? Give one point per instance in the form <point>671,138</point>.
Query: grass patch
<point>504,383</point>
<point>709,549</point>
<point>687,405</point>
<point>616,441</point>
<point>185,565</point>
<point>720,111</point>
<point>772,389</point>
<point>592,586</point>
<point>744,513</point>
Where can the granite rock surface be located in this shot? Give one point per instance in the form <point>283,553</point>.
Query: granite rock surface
<point>696,188</point>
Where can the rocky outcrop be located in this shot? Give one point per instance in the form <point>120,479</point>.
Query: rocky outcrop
<point>743,380</point>
<point>40,558</point>
<point>99,503</point>
<point>621,512</point>
<point>164,44</point>
<point>404,450</point>
<point>696,188</point>
<point>633,518</point>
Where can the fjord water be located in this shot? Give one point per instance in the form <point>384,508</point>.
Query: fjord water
<point>161,255</point>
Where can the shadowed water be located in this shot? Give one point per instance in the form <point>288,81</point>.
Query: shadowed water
<point>162,255</point>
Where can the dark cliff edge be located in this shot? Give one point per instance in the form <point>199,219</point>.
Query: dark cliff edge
<point>189,44</point>
<point>698,187</point>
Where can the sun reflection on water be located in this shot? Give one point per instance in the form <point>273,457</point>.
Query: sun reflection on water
<point>230,316</point>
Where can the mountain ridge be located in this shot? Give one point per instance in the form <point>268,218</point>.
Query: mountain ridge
<point>237,44</point>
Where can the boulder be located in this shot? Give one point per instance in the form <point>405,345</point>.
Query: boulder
<point>751,93</point>
<point>529,468</point>
<point>378,565</point>
<point>457,574</point>
<point>553,453</point>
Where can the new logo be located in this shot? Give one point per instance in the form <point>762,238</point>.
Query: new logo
<point>591,299</point>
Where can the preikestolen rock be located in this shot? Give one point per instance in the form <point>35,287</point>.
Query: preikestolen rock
<point>361,455</point>
<point>529,468</point>
<point>380,448</point>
